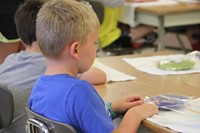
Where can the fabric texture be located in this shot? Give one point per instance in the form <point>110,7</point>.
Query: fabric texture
<point>18,73</point>
<point>109,31</point>
<point>70,100</point>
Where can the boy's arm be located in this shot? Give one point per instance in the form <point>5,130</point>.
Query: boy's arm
<point>134,116</point>
<point>136,110</point>
<point>94,76</point>
<point>129,124</point>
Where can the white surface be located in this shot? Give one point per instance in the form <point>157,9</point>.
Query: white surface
<point>128,11</point>
<point>190,1</point>
<point>187,122</point>
<point>112,74</point>
<point>149,65</point>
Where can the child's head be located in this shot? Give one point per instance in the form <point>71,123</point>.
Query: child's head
<point>62,22</point>
<point>25,20</point>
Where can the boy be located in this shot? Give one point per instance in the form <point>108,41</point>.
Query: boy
<point>67,33</point>
<point>19,71</point>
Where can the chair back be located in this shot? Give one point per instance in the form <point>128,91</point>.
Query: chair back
<point>6,107</point>
<point>98,9</point>
<point>196,36</point>
<point>39,124</point>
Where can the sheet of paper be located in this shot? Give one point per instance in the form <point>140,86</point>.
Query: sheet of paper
<point>149,65</point>
<point>128,11</point>
<point>111,73</point>
<point>190,1</point>
<point>188,121</point>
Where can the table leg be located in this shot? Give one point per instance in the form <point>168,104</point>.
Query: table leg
<point>161,33</point>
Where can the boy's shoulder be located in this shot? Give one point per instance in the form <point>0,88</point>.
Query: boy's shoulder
<point>65,81</point>
<point>23,56</point>
<point>20,66</point>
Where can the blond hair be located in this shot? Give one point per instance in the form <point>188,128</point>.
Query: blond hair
<point>60,22</point>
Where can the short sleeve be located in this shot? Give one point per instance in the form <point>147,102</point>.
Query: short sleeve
<point>87,110</point>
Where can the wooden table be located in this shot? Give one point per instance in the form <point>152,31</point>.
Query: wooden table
<point>168,16</point>
<point>147,85</point>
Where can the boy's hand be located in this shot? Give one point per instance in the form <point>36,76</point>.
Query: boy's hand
<point>122,105</point>
<point>145,110</point>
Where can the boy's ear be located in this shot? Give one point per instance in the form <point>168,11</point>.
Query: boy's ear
<point>74,49</point>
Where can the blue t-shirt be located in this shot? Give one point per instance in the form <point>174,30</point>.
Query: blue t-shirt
<point>70,100</point>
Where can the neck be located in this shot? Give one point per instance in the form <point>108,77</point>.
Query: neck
<point>34,48</point>
<point>58,66</point>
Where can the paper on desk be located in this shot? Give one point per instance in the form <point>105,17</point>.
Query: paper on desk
<point>149,65</point>
<point>112,74</point>
<point>190,1</point>
<point>186,122</point>
<point>128,11</point>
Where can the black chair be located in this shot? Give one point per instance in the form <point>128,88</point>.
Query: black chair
<point>39,124</point>
<point>6,107</point>
<point>98,9</point>
<point>196,36</point>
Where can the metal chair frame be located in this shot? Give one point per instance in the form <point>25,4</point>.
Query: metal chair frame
<point>39,124</point>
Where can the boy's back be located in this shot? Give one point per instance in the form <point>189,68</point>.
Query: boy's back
<point>22,69</point>
<point>70,100</point>
<point>18,73</point>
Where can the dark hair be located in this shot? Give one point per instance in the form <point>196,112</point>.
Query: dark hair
<point>25,20</point>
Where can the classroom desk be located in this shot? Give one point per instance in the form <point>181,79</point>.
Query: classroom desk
<point>168,16</point>
<point>147,85</point>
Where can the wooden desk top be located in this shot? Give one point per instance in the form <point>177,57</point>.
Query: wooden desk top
<point>170,9</point>
<point>146,84</point>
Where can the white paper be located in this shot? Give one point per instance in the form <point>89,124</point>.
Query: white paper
<point>111,73</point>
<point>187,122</point>
<point>149,65</point>
<point>190,1</point>
<point>128,11</point>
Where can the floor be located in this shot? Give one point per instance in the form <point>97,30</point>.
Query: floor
<point>177,50</point>
<point>101,53</point>
<point>171,42</point>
